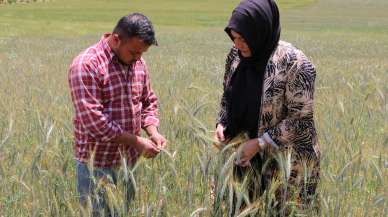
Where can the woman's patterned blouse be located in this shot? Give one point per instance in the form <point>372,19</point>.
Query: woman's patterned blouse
<point>288,100</point>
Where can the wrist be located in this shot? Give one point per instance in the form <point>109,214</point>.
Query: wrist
<point>255,148</point>
<point>137,141</point>
<point>261,143</point>
<point>151,130</point>
<point>126,139</point>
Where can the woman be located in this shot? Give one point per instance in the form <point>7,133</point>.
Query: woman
<point>268,94</point>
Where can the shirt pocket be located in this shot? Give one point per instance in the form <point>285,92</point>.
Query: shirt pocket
<point>135,88</point>
<point>114,89</point>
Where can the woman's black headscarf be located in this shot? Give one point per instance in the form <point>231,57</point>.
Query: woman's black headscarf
<point>257,21</point>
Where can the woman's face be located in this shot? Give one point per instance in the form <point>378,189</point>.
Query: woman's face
<point>240,44</point>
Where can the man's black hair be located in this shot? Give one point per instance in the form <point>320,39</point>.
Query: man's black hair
<point>136,25</point>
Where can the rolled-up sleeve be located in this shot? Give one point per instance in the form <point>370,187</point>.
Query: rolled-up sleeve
<point>149,112</point>
<point>86,95</point>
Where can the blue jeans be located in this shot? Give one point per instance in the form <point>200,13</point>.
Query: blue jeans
<point>88,191</point>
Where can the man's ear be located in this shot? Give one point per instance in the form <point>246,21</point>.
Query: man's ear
<point>116,39</point>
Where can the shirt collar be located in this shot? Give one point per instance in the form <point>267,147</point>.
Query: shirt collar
<point>105,46</point>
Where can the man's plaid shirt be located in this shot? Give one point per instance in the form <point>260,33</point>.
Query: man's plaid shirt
<point>109,98</point>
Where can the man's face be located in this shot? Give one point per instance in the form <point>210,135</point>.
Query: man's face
<point>130,50</point>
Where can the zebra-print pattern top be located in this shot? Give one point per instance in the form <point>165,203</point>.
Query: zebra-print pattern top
<point>287,104</point>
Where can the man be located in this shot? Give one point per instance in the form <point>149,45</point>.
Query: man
<point>113,100</point>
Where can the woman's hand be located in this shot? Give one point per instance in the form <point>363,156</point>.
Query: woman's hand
<point>219,138</point>
<point>246,152</point>
<point>219,134</point>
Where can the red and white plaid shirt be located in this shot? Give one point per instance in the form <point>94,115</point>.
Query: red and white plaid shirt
<point>109,98</point>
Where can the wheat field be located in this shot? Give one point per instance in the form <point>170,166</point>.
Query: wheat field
<point>346,40</point>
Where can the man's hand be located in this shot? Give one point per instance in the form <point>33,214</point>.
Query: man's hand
<point>156,137</point>
<point>159,140</point>
<point>246,152</point>
<point>146,147</point>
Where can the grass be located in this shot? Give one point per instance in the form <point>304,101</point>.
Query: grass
<point>72,17</point>
<point>36,157</point>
